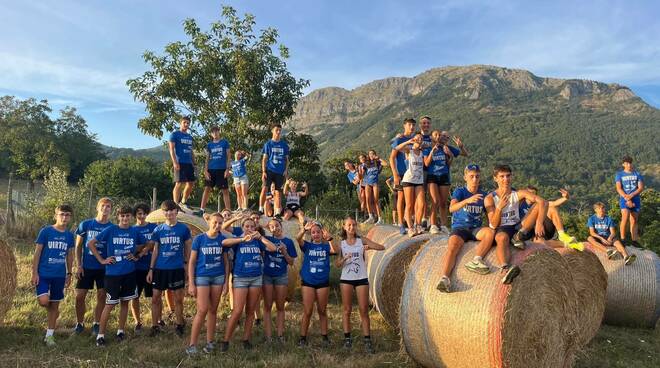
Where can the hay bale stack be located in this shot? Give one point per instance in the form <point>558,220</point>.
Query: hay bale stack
<point>290,229</point>
<point>591,287</point>
<point>387,270</point>
<point>484,323</point>
<point>8,273</point>
<point>196,224</point>
<point>633,292</point>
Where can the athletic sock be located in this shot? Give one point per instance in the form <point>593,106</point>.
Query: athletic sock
<point>50,332</point>
<point>261,209</point>
<point>367,337</point>
<point>325,337</point>
<point>347,335</point>
<point>560,233</point>
<point>477,258</point>
<point>120,332</point>
<point>100,336</point>
<point>95,324</point>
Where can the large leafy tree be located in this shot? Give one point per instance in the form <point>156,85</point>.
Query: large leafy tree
<point>228,76</point>
<point>127,177</point>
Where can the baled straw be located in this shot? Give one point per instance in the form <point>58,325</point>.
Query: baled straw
<point>196,224</point>
<point>8,273</point>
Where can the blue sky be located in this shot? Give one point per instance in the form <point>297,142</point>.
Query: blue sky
<point>80,53</point>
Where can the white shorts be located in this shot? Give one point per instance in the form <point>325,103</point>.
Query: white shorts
<point>241,180</point>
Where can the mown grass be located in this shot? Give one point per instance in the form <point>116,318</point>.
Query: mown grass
<point>21,340</point>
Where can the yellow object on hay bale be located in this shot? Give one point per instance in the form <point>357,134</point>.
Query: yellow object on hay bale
<point>633,292</point>
<point>591,287</point>
<point>8,273</point>
<point>196,224</point>
<point>484,323</point>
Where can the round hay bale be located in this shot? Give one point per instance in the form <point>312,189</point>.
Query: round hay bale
<point>8,272</point>
<point>196,224</point>
<point>633,292</point>
<point>484,323</point>
<point>379,233</point>
<point>290,229</point>
<point>387,271</point>
<point>591,287</point>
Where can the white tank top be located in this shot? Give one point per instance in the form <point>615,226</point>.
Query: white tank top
<point>293,198</point>
<point>415,172</point>
<point>355,268</point>
<point>510,213</point>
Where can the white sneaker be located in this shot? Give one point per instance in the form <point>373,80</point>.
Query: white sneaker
<point>434,230</point>
<point>380,221</point>
<point>369,220</point>
<point>443,229</point>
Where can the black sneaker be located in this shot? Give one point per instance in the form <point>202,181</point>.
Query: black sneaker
<point>95,329</point>
<point>325,342</point>
<point>224,346</point>
<point>517,241</point>
<point>100,342</point>
<point>155,330</point>
<point>635,243</point>
<point>368,346</point>
<point>510,273</point>
<point>180,330</point>
<point>257,322</point>
<point>302,342</point>
<point>121,336</point>
<point>161,323</point>
<point>79,328</point>
<point>138,329</point>
<point>247,345</point>
<point>348,343</point>
<point>281,339</point>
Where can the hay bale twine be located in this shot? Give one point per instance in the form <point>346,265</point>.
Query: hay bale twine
<point>8,272</point>
<point>196,224</point>
<point>633,292</point>
<point>484,323</point>
<point>591,287</point>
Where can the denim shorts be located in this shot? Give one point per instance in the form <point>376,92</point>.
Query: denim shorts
<point>209,280</point>
<point>276,280</point>
<point>247,282</point>
<point>241,180</point>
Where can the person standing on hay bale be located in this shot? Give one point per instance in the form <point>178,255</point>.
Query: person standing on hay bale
<point>413,183</point>
<point>629,185</point>
<point>89,271</point>
<point>437,162</point>
<point>52,265</point>
<point>241,181</point>
<point>146,229</point>
<point>216,168</point>
<point>276,279</point>
<point>552,222</point>
<point>354,178</point>
<point>207,276</point>
<point>274,168</point>
<point>171,243</point>
<point>180,146</point>
<point>370,172</point>
<point>315,275</point>
<point>293,200</point>
<point>121,243</point>
<point>398,165</point>
<point>503,209</point>
<point>247,279</point>
<point>602,234</point>
<point>467,208</point>
<point>354,277</point>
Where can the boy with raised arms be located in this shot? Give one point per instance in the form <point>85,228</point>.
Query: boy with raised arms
<point>216,168</point>
<point>274,168</point>
<point>51,266</point>
<point>171,250</point>
<point>180,146</point>
<point>121,243</point>
<point>629,185</point>
<point>89,271</point>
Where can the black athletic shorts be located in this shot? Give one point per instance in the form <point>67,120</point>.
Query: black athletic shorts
<point>168,279</point>
<point>406,184</point>
<point>438,179</point>
<point>91,277</point>
<point>354,283</point>
<point>466,233</point>
<point>120,288</point>
<point>548,228</point>
<point>142,284</point>
<point>186,173</point>
<point>616,238</point>
<point>293,207</point>
<point>276,178</point>
<point>218,179</point>
<point>507,229</point>
<point>319,286</point>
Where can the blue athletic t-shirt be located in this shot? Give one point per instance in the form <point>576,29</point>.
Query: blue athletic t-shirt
<point>238,167</point>
<point>427,144</point>
<point>119,243</point>
<point>218,154</point>
<point>523,208</point>
<point>351,176</point>
<point>439,161</point>
<point>144,262</point>
<point>56,244</point>
<point>470,216</point>
<point>316,263</point>
<point>371,173</point>
<point>171,242</point>
<point>601,225</point>
<point>277,153</point>
<point>629,180</point>
<point>274,263</point>
<point>401,165</point>
<point>183,146</point>
<point>210,260</point>
<point>247,259</point>
<point>88,230</point>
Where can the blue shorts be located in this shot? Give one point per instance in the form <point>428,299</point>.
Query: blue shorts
<point>51,286</point>
<point>209,280</point>
<point>636,200</point>
<point>276,280</point>
<point>248,282</point>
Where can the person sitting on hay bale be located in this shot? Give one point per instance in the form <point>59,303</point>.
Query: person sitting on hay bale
<point>602,234</point>
<point>51,266</point>
<point>467,208</point>
<point>292,196</point>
